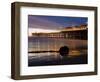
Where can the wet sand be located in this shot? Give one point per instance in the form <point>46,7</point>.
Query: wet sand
<point>81,59</point>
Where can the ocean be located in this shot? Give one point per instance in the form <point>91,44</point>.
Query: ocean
<point>44,51</point>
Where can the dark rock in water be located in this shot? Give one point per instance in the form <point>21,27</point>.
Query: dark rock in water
<point>64,51</point>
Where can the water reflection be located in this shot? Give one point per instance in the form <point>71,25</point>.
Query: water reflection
<point>77,53</point>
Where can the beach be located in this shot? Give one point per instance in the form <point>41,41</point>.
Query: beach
<point>44,51</point>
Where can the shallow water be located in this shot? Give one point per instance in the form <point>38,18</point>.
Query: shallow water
<point>77,48</point>
<point>47,44</point>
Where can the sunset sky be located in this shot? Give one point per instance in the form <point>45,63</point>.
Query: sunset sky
<point>53,23</point>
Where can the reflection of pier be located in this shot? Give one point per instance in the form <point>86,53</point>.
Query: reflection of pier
<point>76,32</point>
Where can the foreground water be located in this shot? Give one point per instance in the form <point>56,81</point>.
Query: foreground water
<point>77,53</point>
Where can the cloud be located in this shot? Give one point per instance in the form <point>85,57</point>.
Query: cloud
<point>37,22</point>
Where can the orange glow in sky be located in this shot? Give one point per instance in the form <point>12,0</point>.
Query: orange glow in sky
<point>38,30</point>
